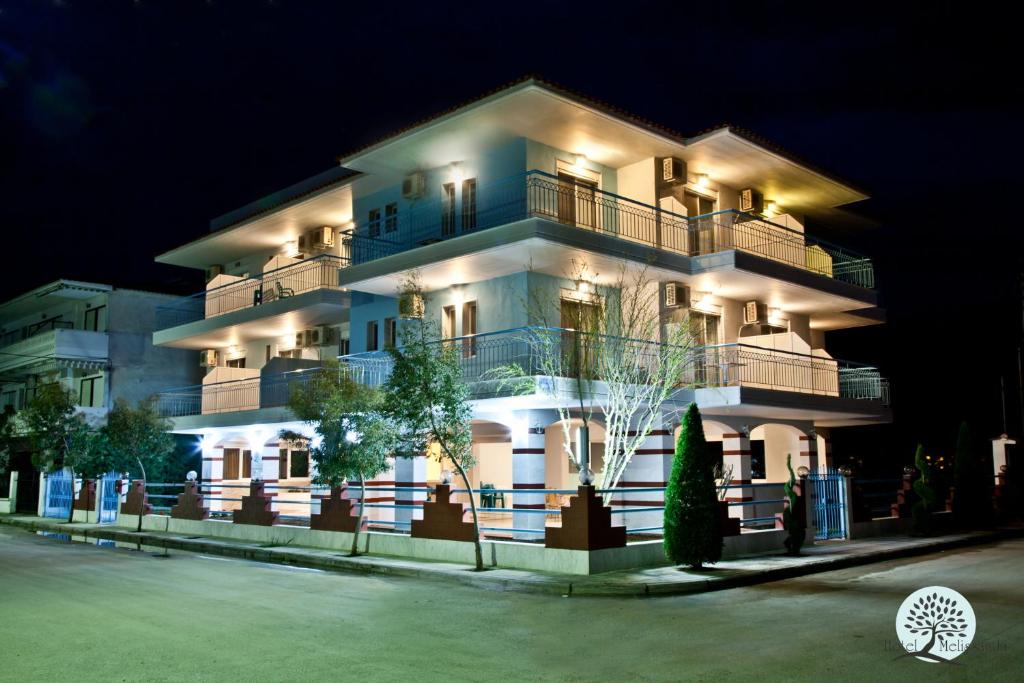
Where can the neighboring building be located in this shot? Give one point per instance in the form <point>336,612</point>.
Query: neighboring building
<point>93,339</point>
<point>490,203</point>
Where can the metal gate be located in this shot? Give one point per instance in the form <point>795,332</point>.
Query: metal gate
<point>109,497</point>
<point>59,492</point>
<point>828,503</point>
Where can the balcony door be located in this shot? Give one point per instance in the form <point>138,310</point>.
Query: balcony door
<point>701,233</point>
<point>578,353</point>
<point>704,328</point>
<point>577,195</point>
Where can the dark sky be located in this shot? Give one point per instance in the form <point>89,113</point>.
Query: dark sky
<point>125,126</point>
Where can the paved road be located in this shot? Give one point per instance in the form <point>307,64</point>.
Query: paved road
<point>70,610</point>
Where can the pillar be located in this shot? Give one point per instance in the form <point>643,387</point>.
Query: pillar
<point>528,459</point>
<point>825,447</point>
<point>410,473</point>
<point>736,454</point>
<point>808,452</point>
<point>648,468</point>
<point>213,474</point>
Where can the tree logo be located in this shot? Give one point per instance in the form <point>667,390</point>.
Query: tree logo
<point>935,624</point>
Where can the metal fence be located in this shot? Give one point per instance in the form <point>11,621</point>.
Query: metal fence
<point>392,508</point>
<point>542,195</point>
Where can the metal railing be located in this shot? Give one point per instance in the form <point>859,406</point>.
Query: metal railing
<point>540,194</point>
<point>496,521</point>
<point>15,336</point>
<point>524,349</point>
<point>318,272</point>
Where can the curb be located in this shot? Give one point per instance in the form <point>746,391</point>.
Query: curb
<point>531,582</point>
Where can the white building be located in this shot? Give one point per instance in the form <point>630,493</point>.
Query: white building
<point>490,203</point>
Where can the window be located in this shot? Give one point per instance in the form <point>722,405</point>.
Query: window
<point>390,332</point>
<point>469,329</point>
<point>468,205</point>
<point>448,322</point>
<point>299,464</point>
<point>91,392</point>
<point>237,362</point>
<point>246,464</point>
<point>447,209</point>
<point>282,463</point>
<point>96,319</point>
<point>371,335</point>
<point>343,347</point>
<point>267,356</point>
<point>373,222</point>
<point>391,218</point>
<point>231,463</point>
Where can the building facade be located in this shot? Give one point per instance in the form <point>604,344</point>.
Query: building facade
<point>95,340</point>
<point>491,206</point>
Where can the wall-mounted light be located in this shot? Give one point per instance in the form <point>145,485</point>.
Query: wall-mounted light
<point>703,180</point>
<point>291,248</point>
<point>583,287</point>
<point>581,160</point>
<point>456,172</point>
<point>771,208</point>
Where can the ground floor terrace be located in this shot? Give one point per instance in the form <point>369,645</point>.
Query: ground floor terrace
<point>523,475</point>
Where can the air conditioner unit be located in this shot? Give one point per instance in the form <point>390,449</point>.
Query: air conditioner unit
<point>751,201</point>
<point>414,185</point>
<point>410,306</point>
<point>322,237</point>
<point>676,294</point>
<point>300,339</point>
<point>214,271</point>
<point>673,170</point>
<point>208,358</point>
<point>754,312</point>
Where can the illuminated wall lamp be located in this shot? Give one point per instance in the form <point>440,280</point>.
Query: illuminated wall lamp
<point>456,173</point>
<point>703,180</point>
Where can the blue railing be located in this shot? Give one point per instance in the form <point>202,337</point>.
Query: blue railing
<point>481,355</point>
<point>318,272</point>
<point>537,194</point>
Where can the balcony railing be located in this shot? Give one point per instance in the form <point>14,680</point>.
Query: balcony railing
<point>539,194</point>
<point>524,348</point>
<point>15,336</point>
<point>319,272</point>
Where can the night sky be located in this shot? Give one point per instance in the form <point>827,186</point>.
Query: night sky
<point>125,126</point>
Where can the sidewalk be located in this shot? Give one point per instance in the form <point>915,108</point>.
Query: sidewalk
<point>655,581</point>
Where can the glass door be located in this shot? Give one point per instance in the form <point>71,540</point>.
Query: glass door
<point>704,328</point>
<point>701,230</point>
<point>577,201</point>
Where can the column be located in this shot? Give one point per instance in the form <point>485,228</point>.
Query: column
<point>213,474</point>
<point>736,454</point>
<point>825,447</point>
<point>385,480</point>
<point>411,473</point>
<point>808,452</point>
<point>528,450</point>
<point>648,468</point>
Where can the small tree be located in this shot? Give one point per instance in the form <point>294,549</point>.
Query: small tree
<point>58,435</point>
<point>796,529</point>
<point>692,533</point>
<point>921,512</point>
<point>427,399</point>
<point>356,438</point>
<point>135,440</point>
<point>972,503</point>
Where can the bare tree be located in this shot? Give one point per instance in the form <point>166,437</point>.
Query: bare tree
<point>617,358</point>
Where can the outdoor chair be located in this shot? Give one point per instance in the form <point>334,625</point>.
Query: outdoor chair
<point>283,291</point>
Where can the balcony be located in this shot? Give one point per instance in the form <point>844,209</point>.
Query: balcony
<point>53,345</point>
<point>727,365</point>
<point>540,195</point>
<point>230,293</point>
